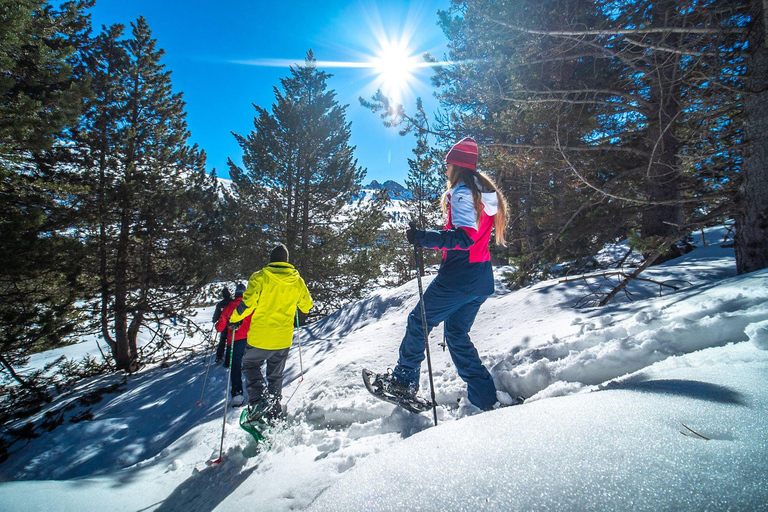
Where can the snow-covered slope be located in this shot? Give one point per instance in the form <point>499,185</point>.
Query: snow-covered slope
<point>609,389</point>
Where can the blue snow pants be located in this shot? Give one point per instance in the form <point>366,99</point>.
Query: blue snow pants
<point>458,311</point>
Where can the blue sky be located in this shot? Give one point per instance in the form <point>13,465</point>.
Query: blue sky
<point>207,44</point>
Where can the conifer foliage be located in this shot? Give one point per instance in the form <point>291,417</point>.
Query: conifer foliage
<point>426,183</point>
<point>298,179</point>
<point>605,120</point>
<point>152,235</point>
<point>615,113</point>
<point>40,95</point>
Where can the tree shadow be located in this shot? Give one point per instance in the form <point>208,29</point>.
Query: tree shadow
<point>206,489</point>
<point>156,409</point>
<point>679,387</point>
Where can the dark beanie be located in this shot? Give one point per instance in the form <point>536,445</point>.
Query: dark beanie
<point>239,290</point>
<point>463,153</point>
<point>279,254</point>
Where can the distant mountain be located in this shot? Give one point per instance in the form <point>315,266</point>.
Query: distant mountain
<point>396,190</point>
<point>397,212</point>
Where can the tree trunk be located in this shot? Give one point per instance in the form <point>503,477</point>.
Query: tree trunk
<point>143,306</point>
<point>122,355</point>
<point>663,174</point>
<point>751,240</point>
<point>132,335</point>
<point>103,242</point>
<point>531,230</point>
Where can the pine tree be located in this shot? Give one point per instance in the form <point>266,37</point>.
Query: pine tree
<point>751,241</point>
<point>40,96</point>
<point>155,232</point>
<point>298,181</point>
<point>426,186</point>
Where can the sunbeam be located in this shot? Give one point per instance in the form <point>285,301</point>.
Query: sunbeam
<point>390,53</point>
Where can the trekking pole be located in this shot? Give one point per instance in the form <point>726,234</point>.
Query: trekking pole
<point>226,400</point>
<point>417,255</point>
<point>208,366</point>
<point>298,342</point>
<point>301,364</point>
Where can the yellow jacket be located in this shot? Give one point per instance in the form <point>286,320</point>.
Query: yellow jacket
<point>272,295</point>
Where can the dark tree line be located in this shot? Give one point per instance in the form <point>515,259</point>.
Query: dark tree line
<point>110,224</point>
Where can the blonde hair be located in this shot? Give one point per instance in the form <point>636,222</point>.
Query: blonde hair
<point>478,182</point>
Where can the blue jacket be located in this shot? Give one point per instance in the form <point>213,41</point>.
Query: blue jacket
<point>466,265</point>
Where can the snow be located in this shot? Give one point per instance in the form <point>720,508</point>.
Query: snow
<point>616,397</point>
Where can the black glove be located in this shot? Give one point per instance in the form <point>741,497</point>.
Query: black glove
<point>410,233</point>
<point>233,326</point>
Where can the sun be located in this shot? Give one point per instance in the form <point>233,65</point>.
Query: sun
<point>395,66</point>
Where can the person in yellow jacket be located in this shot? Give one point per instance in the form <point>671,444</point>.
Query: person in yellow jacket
<point>272,296</point>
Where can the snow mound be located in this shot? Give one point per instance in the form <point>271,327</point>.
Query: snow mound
<point>758,334</point>
<point>630,446</point>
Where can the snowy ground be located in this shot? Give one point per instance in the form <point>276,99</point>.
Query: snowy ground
<point>612,394</point>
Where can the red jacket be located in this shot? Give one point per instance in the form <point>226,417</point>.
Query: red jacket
<point>221,323</point>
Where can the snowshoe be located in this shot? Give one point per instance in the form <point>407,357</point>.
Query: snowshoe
<point>260,411</point>
<point>383,387</point>
<point>262,417</point>
<point>256,429</point>
<point>507,400</point>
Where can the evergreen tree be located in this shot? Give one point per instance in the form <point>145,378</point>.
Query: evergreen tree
<point>40,95</point>
<point>155,232</point>
<point>298,181</point>
<point>598,119</point>
<point>751,241</point>
<point>426,185</point>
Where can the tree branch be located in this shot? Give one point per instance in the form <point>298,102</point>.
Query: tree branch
<point>634,151</point>
<point>620,31</point>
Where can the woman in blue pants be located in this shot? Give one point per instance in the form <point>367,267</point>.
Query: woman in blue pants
<point>473,207</point>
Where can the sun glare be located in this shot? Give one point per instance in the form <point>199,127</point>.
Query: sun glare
<point>387,54</point>
<point>395,66</point>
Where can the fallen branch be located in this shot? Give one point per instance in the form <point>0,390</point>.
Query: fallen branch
<point>630,277</point>
<point>617,273</point>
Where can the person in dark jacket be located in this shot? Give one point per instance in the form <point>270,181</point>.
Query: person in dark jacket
<point>238,347</point>
<point>473,207</point>
<point>226,298</point>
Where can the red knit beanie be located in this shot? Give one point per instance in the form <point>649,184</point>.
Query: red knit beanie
<point>463,153</point>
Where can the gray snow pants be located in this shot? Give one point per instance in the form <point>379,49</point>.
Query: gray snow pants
<point>253,359</point>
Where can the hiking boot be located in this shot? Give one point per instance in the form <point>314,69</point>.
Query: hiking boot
<point>237,400</point>
<point>274,412</point>
<point>390,385</point>
<point>260,410</point>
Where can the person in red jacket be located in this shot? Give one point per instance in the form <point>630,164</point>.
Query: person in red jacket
<point>226,298</point>
<point>241,335</point>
